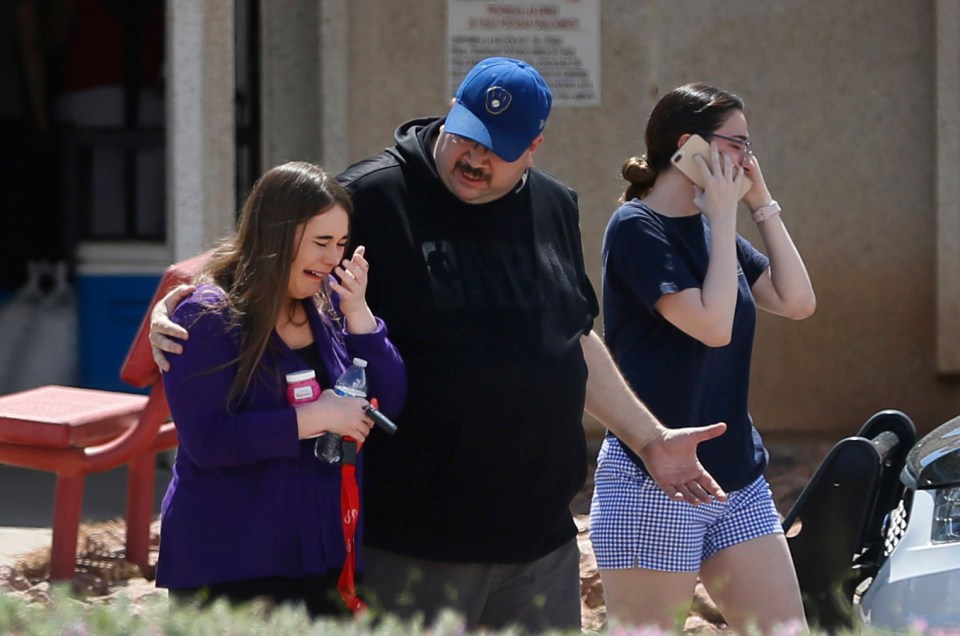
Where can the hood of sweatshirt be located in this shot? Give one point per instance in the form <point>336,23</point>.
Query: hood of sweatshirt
<point>414,148</point>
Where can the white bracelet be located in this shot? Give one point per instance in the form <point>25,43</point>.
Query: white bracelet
<point>766,211</point>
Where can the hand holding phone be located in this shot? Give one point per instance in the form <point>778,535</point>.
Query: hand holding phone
<point>684,160</point>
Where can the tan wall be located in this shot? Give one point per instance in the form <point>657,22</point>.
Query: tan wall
<point>841,104</point>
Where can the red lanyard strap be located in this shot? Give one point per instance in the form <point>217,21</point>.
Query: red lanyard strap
<point>350,514</point>
<point>350,508</point>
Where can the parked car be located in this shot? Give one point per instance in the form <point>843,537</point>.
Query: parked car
<point>918,583</point>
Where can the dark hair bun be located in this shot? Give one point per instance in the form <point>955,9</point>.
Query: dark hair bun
<point>636,169</point>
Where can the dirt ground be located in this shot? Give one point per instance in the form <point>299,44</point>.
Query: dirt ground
<point>103,574</point>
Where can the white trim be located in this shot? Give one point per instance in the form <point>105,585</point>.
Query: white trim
<point>201,128</point>
<point>127,257</point>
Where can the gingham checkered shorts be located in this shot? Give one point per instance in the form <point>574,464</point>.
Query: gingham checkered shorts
<point>634,524</point>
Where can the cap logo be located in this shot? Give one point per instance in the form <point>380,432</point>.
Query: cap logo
<point>498,99</point>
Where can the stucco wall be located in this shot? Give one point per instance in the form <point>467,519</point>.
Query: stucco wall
<point>840,102</point>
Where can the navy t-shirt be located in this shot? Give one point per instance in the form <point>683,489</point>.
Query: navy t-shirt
<point>683,381</point>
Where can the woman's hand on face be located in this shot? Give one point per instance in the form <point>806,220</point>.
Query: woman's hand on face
<point>332,413</point>
<point>722,179</point>
<point>352,285</point>
<point>758,194</point>
<point>352,289</point>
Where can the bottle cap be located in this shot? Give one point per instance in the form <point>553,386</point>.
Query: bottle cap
<point>360,362</point>
<point>300,376</point>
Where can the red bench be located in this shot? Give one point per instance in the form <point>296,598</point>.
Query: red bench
<point>74,432</point>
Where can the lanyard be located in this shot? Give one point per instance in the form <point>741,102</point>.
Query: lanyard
<point>350,509</point>
<point>350,513</point>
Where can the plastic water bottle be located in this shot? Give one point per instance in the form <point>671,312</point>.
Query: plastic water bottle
<point>352,383</point>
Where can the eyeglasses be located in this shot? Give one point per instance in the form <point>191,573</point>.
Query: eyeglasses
<point>743,144</point>
<point>475,145</point>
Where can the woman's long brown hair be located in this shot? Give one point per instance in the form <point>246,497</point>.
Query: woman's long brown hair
<point>253,266</point>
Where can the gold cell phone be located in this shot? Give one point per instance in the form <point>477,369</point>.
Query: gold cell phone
<point>684,160</point>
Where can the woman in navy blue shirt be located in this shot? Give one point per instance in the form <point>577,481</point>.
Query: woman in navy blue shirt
<point>250,510</point>
<point>680,292</point>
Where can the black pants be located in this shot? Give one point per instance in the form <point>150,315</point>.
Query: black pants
<point>319,594</point>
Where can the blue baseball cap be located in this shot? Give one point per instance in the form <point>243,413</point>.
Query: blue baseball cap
<point>502,104</point>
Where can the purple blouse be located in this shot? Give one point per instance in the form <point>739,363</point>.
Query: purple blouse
<point>248,498</point>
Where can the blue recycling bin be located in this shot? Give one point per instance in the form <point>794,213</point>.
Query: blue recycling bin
<point>109,310</point>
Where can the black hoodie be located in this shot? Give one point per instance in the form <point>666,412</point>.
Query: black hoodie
<point>487,304</point>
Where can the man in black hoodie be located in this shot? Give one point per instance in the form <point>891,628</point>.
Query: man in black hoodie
<point>478,272</point>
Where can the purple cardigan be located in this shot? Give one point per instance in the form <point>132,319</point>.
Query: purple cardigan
<point>249,499</point>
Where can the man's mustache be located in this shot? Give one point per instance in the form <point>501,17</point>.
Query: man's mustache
<point>470,171</point>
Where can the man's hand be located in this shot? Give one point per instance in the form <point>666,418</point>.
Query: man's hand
<point>162,329</point>
<point>671,459</point>
<point>670,456</point>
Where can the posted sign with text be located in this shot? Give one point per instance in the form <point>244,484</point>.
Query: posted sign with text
<point>560,39</point>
